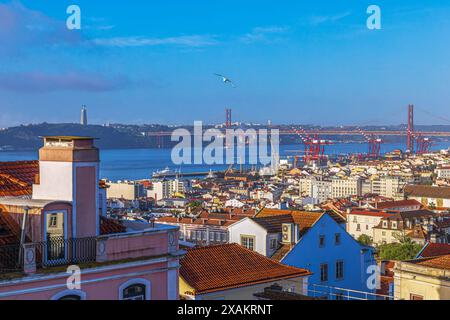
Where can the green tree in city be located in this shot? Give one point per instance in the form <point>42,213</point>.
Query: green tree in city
<point>405,249</point>
<point>365,240</point>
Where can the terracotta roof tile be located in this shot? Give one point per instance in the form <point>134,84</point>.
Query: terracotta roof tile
<point>281,252</point>
<point>441,262</point>
<point>273,224</point>
<point>435,249</point>
<point>304,219</point>
<point>397,204</point>
<point>110,226</point>
<point>221,267</point>
<point>17,177</point>
<point>427,191</point>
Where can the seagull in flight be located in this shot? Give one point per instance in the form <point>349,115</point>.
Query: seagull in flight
<point>225,80</point>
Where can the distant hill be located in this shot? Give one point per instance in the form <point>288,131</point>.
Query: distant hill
<point>122,136</point>
<point>29,137</point>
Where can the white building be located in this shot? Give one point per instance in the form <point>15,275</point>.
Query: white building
<point>263,235</point>
<point>315,187</point>
<point>388,186</point>
<point>346,187</point>
<point>167,188</point>
<point>362,221</point>
<point>443,172</point>
<point>128,190</point>
<point>234,203</point>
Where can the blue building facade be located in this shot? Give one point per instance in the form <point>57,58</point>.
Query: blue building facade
<point>336,259</point>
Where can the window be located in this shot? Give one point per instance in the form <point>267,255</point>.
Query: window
<point>53,221</point>
<point>337,239</point>
<point>324,272</point>
<point>415,297</point>
<point>248,242</point>
<point>134,292</point>
<point>322,241</point>
<point>358,227</point>
<point>70,295</point>
<point>339,270</point>
<point>273,243</point>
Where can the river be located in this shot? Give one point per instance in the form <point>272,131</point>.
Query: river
<point>132,164</point>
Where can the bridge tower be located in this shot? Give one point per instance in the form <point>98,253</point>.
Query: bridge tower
<point>410,129</point>
<point>228,121</point>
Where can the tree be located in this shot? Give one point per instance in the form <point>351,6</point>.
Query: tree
<point>365,240</point>
<point>405,250</point>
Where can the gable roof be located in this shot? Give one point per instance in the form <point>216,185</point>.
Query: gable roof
<point>304,219</point>
<point>427,191</point>
<point>221,267</point>
<point>273,224</point>
<point>17,177</point>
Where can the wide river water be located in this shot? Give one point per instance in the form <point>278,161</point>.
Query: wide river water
<point>135,164</point>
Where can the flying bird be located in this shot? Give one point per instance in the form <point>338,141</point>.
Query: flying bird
<point>225,80</point>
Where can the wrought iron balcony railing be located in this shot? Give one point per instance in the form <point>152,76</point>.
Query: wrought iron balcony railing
<point>53,252</point>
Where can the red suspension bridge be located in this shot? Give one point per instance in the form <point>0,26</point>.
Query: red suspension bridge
<point>417,141</point>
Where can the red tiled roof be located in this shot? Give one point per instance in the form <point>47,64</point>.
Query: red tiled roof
<point>273,224</point>
<point>441,262</point>
<point>17,177</point>
<point>427,191</point>
<point>221,267</point>
<point>372,213</point>
<point>435,249</point>
<point>304,219</point>
<point>110,226</point>
<point>397,204</point>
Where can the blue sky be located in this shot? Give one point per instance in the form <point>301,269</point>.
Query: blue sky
<point>296,61</point>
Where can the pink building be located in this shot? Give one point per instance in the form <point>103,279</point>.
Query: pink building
<point>57,243</point>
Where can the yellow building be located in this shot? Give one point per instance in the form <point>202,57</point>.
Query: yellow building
<point>423,279</point>
<point>232,272</point>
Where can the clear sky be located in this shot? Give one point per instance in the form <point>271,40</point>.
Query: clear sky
<point>293,61</point>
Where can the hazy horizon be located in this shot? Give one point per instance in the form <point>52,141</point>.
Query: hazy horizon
<point>306,62</point>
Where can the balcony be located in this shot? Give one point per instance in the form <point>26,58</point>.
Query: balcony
<point>51,253</point>
<point>139,244</point>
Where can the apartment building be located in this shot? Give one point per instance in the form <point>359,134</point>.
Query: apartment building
<point>362,221</point>
<point>388,186</point>
<point>208,227</point>
<point>50,219</point>
<point>346,187</point>
<point>127,190</point>
<point>168,188</point>
<point>418,225</point>
<point>443,172</point>
<point>318,189</point>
